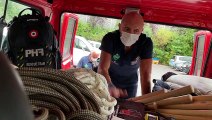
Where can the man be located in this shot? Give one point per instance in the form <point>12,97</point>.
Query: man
<point>88,61</point>
<point>123,52</point>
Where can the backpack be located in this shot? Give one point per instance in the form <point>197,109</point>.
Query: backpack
<point>32,42</point>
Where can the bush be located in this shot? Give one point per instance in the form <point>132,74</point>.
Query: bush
<point>92,33</point>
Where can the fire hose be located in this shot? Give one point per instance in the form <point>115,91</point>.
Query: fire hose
<point>57,94</point>
<point>98,85</point>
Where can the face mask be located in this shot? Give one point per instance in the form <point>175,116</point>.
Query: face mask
<point>128,39</point>
<point>93,59</point>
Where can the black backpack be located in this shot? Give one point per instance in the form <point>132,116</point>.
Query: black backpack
<point>32,41</point>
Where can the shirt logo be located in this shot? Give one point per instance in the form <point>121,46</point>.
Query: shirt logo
<point>116,57</point>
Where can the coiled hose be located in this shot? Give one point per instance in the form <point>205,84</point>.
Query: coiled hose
<point>56,94</point>
<point>98,85</point>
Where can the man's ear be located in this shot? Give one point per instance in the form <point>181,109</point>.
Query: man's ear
<point>142,29</point>
<point>119,26</point>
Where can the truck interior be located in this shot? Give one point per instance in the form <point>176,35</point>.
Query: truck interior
<point>183,13</point>
<point>188,13</point>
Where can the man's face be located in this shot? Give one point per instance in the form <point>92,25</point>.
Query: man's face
<point>133,29</point>
<point>132,23</point>
<point>94,56</point>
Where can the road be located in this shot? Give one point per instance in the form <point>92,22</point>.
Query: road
<point>157,72</point>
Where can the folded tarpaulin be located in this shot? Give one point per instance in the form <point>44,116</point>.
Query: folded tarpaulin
<point>203,85</point>
<point>174,86</point>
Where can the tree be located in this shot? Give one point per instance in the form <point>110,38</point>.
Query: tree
<point>169,41</point>
<point>148,30</point>
<point>2,4</point>
<point>180,44</point>
<point>97,21</point>
<point>162,37</point>
<point>11,10</point>
<point>92,33</point>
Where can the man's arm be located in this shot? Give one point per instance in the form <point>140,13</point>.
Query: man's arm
<point>103,68</point>
<point>145,75</point>
<point>80,65</point>
<point>104,65</point>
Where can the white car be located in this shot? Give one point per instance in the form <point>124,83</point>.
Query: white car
<point>177,61</point>
<point>95,44</point>
<point>82,48</point>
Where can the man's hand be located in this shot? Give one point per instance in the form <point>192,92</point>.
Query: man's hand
<point>116,92</point>
<point>103,67</point>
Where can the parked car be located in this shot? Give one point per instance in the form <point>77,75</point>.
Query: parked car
<point>95,44</point>
<point>177,61</point>
<point>185,67</point>
<point>82,48</point>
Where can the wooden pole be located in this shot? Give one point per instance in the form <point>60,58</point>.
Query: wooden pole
<point>184,117</point>
<point>148,95</point>
<point>175,100</point>
<point>174,93</point>
<point>193,106</point>
<point>202,98</point>
<point>204,113</point>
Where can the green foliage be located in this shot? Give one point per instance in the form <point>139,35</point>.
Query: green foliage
<point>179,42</point>
<point>13,9</point>
<point>148,30</point>
<point>91,33</point>
<point>2,3</point>
<point>162,37</point>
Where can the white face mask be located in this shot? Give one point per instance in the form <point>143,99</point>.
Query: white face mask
<point>93,59</point>
<point>128,39</point>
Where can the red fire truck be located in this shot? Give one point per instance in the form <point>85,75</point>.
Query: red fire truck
<point>183,13</point>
